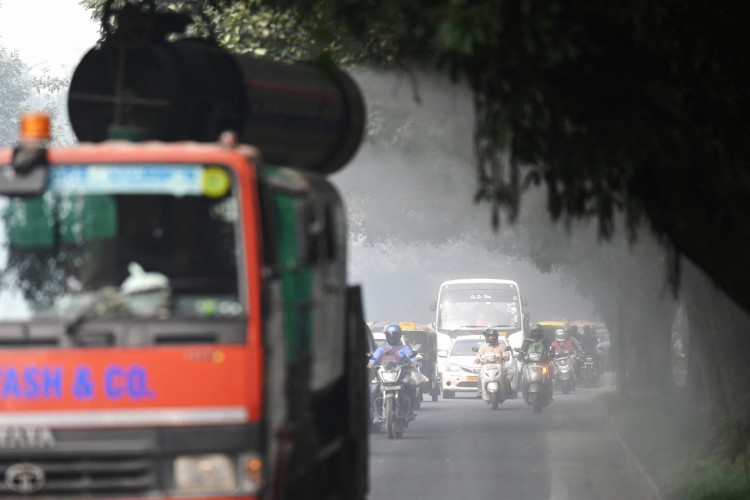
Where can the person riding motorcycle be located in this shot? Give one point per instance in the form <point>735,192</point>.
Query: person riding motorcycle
<point>393,343</point>
<point>492,345</point>
<point>536,334</point>
<point>562,342</point>
<point>590,340</point>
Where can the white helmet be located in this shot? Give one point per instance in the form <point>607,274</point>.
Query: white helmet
<point>560,335</point>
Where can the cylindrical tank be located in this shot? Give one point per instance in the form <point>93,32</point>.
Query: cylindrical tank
<point>298,115</point>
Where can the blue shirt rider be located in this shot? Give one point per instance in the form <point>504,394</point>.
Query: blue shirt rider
<point>393,340</point>
<point>404,353</point>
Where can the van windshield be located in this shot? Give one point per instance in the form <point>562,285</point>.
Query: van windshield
<point>153,240</point>
<point>479,308</point>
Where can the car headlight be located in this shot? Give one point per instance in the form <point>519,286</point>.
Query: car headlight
<point>451,367</point>
<point>204,473</point>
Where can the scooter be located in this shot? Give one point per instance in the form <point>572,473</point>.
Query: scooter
<point>537,386</point>
<point>563,364</point>
<point>393,407</point>
<point>492,380</point>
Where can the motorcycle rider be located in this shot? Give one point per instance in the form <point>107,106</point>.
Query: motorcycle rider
<point>590,340</point>
<point>536,334</point>
<point>562,342</point>
<point>393,344</point>
<point>492,345</point>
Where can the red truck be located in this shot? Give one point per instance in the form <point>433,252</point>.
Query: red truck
<point>175,317</point>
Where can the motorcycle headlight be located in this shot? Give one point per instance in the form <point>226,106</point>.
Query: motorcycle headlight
<point>535,356</point>
<point>204,473</point>
<point>389,377</point>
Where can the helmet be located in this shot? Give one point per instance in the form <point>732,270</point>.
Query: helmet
<point>536,332</point>
<point>560,335</point>
<point>491,336</point>
<point>393,334</point>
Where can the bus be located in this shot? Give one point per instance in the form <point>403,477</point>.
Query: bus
<point>470,306</point>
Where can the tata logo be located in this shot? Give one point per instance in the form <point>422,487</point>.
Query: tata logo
<point>13,438</point>
<point>24,478</point>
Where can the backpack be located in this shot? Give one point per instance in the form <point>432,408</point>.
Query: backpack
<point>537,346</point>
<point>390,354</point>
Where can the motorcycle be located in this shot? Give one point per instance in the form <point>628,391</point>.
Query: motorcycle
<point>537,386</point>
<point>590,370</point>
<point>563,363</point>
<point>492,380</point>
<point>393,406</point>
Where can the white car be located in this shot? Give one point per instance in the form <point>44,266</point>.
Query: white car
<point>461,373</point>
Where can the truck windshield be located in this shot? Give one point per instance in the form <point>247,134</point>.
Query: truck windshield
<point>478,307</point>
<point>154,241</point>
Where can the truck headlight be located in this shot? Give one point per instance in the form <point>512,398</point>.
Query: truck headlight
<point>204,473</point>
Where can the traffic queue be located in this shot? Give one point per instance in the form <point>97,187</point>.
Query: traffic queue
<point>407,367</point>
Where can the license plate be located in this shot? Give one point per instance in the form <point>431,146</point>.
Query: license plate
<point>471,379</point>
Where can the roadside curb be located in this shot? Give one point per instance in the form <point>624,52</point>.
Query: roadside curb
<point>637,471</point>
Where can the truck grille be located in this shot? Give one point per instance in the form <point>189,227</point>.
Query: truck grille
<point>83,476</point>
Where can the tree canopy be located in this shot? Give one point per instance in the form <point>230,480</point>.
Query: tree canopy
<point>637,108</point>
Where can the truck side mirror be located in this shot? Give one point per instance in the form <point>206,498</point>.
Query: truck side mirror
<point>433,305</point>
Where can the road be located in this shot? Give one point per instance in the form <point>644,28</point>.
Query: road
<point>461,449</point>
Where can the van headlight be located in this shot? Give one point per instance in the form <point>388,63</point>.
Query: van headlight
<point>204,473</point>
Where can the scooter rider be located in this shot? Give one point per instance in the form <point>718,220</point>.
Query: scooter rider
<point>492,345</point>
<point>536,334</point>
<point>404,352</point>
<point>562,342</point>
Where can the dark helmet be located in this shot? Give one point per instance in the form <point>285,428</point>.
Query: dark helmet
<point>393,334</point>
<point>491,336</point>
<point>536,333</point>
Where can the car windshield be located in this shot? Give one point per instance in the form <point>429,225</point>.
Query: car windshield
<point>132,239</point>
<point>464,347</point>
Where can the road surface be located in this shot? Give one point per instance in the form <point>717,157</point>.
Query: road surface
<point>461,449</point>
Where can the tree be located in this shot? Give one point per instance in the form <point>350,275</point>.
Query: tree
<point>623,279</point>
<point>13,93</point>
<point>18,88</point>
<point>634,108</point>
